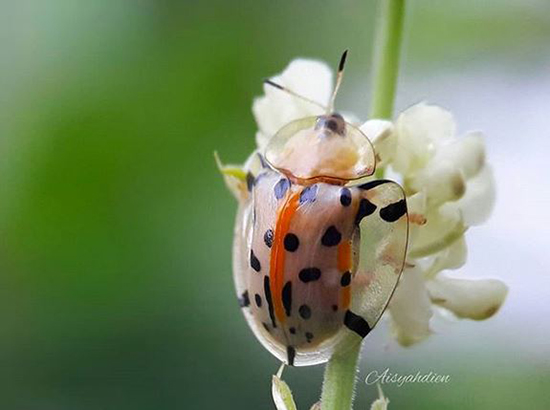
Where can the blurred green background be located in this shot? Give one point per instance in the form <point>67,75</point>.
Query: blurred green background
<point>115,278</point>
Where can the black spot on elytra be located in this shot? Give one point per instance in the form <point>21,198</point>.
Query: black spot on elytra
<point>345,280</point>
<point>334,308</point>
<point>366,208</point>
<point>286,296</point>
<point>393,212</point>
<point>305,311</point>
<point>244,300</point>
<point>331,237</point>
<point>268,238</point>
<point>345,196</point>
<point>258,300</point>
<point>254,262</point>
<point>356,323</point>
<point>267,291</point>
<point>309,337</point>
<point>308,194</point>
<point>292,330</point>
<point>291,242</point>
<point>281,187</point>
<point>290,354</point>
<point>309,274</point>
<point>250,181</point>
<point>373,184</point>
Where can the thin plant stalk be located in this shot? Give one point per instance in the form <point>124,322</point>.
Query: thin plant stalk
<point>341,370</point>
<point>389,34</point>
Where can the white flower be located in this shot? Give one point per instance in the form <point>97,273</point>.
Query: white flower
<point>312,79</point>
<point>449,187</point>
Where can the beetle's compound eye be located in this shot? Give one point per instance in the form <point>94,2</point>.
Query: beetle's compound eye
<point>334,123</point>
<point>323,147</point>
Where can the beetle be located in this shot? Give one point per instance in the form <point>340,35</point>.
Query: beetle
<point>319,243</point>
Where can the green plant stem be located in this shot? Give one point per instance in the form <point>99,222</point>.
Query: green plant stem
<point>340,372</point>
<point>389,33</point>
<point>339,382</point>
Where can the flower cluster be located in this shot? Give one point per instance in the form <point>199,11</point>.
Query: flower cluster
<point>449,187</point>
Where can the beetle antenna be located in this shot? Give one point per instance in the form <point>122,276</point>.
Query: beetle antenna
<point>294,94</point>
<point>339,77</point>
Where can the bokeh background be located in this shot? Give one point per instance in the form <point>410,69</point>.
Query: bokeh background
<point>115,228</point>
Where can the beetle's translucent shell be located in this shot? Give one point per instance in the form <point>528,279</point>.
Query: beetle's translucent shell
<point>324,147</point>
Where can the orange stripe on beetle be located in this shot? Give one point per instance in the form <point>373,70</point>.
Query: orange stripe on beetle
<point>344,256</point>
<point>277,262</point>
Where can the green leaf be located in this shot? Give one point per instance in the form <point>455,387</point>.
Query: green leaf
<point>282,396</point>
